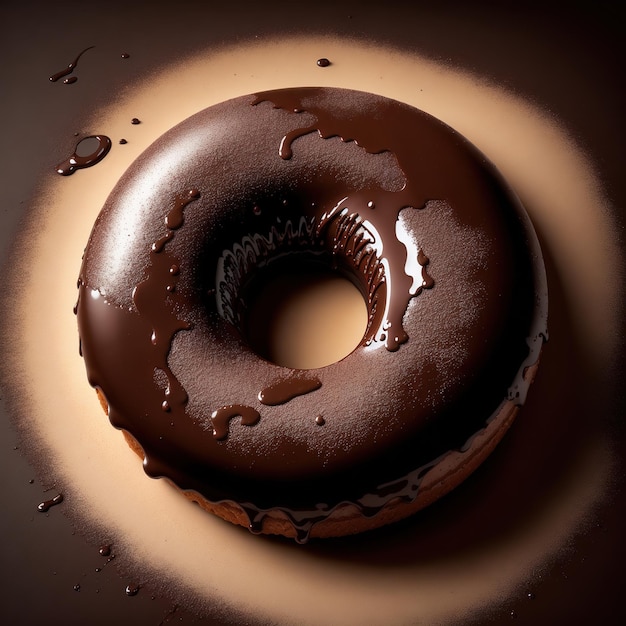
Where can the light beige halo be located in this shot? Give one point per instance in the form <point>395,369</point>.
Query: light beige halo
<point>165,532</point>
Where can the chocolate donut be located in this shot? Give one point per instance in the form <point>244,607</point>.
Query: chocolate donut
<point>373,189</point>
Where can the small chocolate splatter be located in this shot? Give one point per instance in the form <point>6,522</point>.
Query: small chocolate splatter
<point>132,589</point>
<point>46,505</point>
<point>105,549</point>
<point>69,69</point>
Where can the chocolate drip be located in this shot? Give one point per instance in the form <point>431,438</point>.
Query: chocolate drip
<point>70,68</point>
<point>150,298</point>
<point>46,505</point>
<point>222,416</point>
<point>427,280</point>
<point>77,162</point>
<point>286,390</point>
<point>404,489</point>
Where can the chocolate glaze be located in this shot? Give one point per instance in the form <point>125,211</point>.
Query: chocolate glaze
<point>448,338</point>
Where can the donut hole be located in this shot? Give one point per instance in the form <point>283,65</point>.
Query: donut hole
<point>303,290</point>
<point>302,313</point>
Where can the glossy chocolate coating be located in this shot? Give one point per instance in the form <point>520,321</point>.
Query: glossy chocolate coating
<point>335,176</point>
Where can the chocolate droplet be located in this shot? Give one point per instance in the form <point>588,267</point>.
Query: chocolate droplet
<point>47,504</point>
<point>105,550</point>
<point>132,589</point>
<point>88,152</point>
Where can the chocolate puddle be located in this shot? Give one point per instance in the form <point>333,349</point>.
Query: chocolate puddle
<point>78,161</point>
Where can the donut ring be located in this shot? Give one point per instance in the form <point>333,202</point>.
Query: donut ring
<point>443,252</point>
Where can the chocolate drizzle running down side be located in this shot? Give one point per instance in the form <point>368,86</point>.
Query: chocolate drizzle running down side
<point>152,297</point>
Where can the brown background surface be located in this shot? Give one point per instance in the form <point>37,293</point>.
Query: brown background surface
<point>566,57</point>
